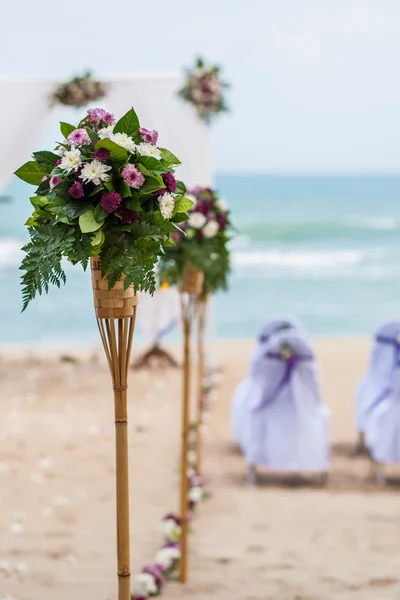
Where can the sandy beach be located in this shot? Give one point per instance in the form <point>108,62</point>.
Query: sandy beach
<point>287,538</point>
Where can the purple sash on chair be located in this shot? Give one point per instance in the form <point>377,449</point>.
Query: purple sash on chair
<point>291,363</point>
<point>381,339</point>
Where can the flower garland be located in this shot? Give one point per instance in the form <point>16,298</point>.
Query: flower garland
<point>106,190</point>
<point>202,241</point>
<point>204,89</point>
<point>78,92</point>
<point>151,580</point>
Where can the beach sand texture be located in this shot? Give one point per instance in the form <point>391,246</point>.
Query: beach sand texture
<point>286,538</point>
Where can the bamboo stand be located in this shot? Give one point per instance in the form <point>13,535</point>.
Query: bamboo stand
<point>115,314</point>
<point>190,288</point>
<point>201,318</point>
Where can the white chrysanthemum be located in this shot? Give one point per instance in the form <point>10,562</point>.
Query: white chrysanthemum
<point>192,457</point>
<point>167,205</point>
<point>106,132</point>
<point>172,530</point>
<point>222,205</point>
<point>211,229</point>
<point>197,220</point>
<point>196,494</point>
<point>146,149</point>
<point>123,140</point>
<point>71,160</point>
<point>145,585</point>
<point>191,472</point>
<point>61,150</point>
<point>95,171</point>
<point>214,256</point>
<point>167,556</point>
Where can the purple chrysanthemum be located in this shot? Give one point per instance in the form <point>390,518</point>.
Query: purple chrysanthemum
<point>98,115</point>
<point>222,220</point>
<point>58,162</point>
<point>110,201</point>
<point>128,216</point>
<point>132,176</point>
<point>55,181</point>
<point>176,236</point>
<point>156,572</point>
<point>101,154</point>
<point>173,517</point>
<point>108,118</point>
<point>76,190</point>
<point>149,136</point>
<point>170,182</point>
<point>172,545</point>
<point>79,137</point>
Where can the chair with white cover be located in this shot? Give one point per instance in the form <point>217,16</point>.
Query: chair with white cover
<point>273,326</point>
<point>379,374</point>
<point>285,426</point>
<point>382,416</point>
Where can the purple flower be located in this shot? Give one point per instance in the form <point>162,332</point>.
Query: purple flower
<point>156,572</point>
<point>76,190</point>
<point>173,517</point>
<point>222,220</point>
<point>138,598</point>
<point>79,137</point>
<point>176,236</point>
<point>172,545</point>
<point>110,201</point>
<point>170,182</point>
<point>196,191</point>
<point>108,118</point>
<point>128,215</point>
<point>55,181</point>
<point>98,115</point>
<point>132,176</point>
<point>58,162</point>
<point>101,154</point>
<point>149,136</point>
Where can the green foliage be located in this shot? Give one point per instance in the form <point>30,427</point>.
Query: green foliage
<point>129,124</point>
<point>31,172</point>
<point>66,129</point>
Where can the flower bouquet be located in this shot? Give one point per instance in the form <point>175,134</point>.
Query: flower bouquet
<point>107,191</point>
<point>79,92</point>
<point>204,89</point>
<point>201,242</point>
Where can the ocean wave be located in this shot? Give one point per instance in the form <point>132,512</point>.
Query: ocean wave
<point>10,252</point>
<point>347,229</point>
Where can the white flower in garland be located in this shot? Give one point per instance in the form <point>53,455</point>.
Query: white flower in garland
<point>145,585</point>
<point>222,205</point>
<point>167,556</point>
<point>147,149</point>
<point>196,494</point>
<point>197,220</point>
<point>211,229</point>
<point>106,132</point>
<point>123,140</point>
<point>61,150</point>
<point>95,171</point>
<point>167,205</point>
<point>71,160</point>
<point>172,530</point>
<point>192,457</point>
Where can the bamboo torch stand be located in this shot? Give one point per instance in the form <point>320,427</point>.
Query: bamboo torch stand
<point>201,319</point>
<point>115,315</point>
<point>190,287</point>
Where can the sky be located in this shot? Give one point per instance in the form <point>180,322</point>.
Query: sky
<point>315,83</point>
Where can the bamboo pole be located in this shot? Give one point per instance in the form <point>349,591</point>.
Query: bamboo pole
<point>201,314</point>
<point>116,315</point>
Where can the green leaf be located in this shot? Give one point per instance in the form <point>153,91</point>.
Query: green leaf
<point>117,153</point>
<point>73,210</point>
<point>96,190</point>
<point>66,129</point>
<point>180,188</point>
<point>87,221</point>
<point>109,184</point>
<point>143,170</point>
<point>152,165</point>
<point>99,213</point>
<point>46,159</point>
<point>124,190</point>
<point>92,134</point>
<point>56,206</point>
<point>182,205</point>
<point>169,158</point>
<point>31,172</point>
<point>129,124</point>
<point>151,184</point>
<point>39,201</point>
<point>179,217</point>
<point>133,203</point>
<point>98,238</point>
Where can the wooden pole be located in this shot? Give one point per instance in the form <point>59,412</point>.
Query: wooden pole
<point>184,509</point>
<point>201,313</point>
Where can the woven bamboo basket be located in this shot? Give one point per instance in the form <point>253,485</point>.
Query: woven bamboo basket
<point>193,279</point>
<point>116,303</point>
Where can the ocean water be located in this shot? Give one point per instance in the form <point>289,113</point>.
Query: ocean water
<point>325,248</point>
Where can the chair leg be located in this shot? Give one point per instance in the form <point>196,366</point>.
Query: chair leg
<point>251,475</point>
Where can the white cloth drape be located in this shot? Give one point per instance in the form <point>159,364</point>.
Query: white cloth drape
<point>158,314</point>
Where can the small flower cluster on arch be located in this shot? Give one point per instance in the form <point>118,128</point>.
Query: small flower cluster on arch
<point>204,89</point>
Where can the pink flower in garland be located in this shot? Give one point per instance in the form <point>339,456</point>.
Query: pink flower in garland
<point>77,138</point>
<point>176,236</point>
<point>128,216</point>
<point>98,115</point>
<point>101,154</point>
<point>76,190</point>
<point>222,220</point>
<point>110,201</point>
<point>149,136</point>
<point>156,572</point>
<point>132,176</point>
<point>55,181</point>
